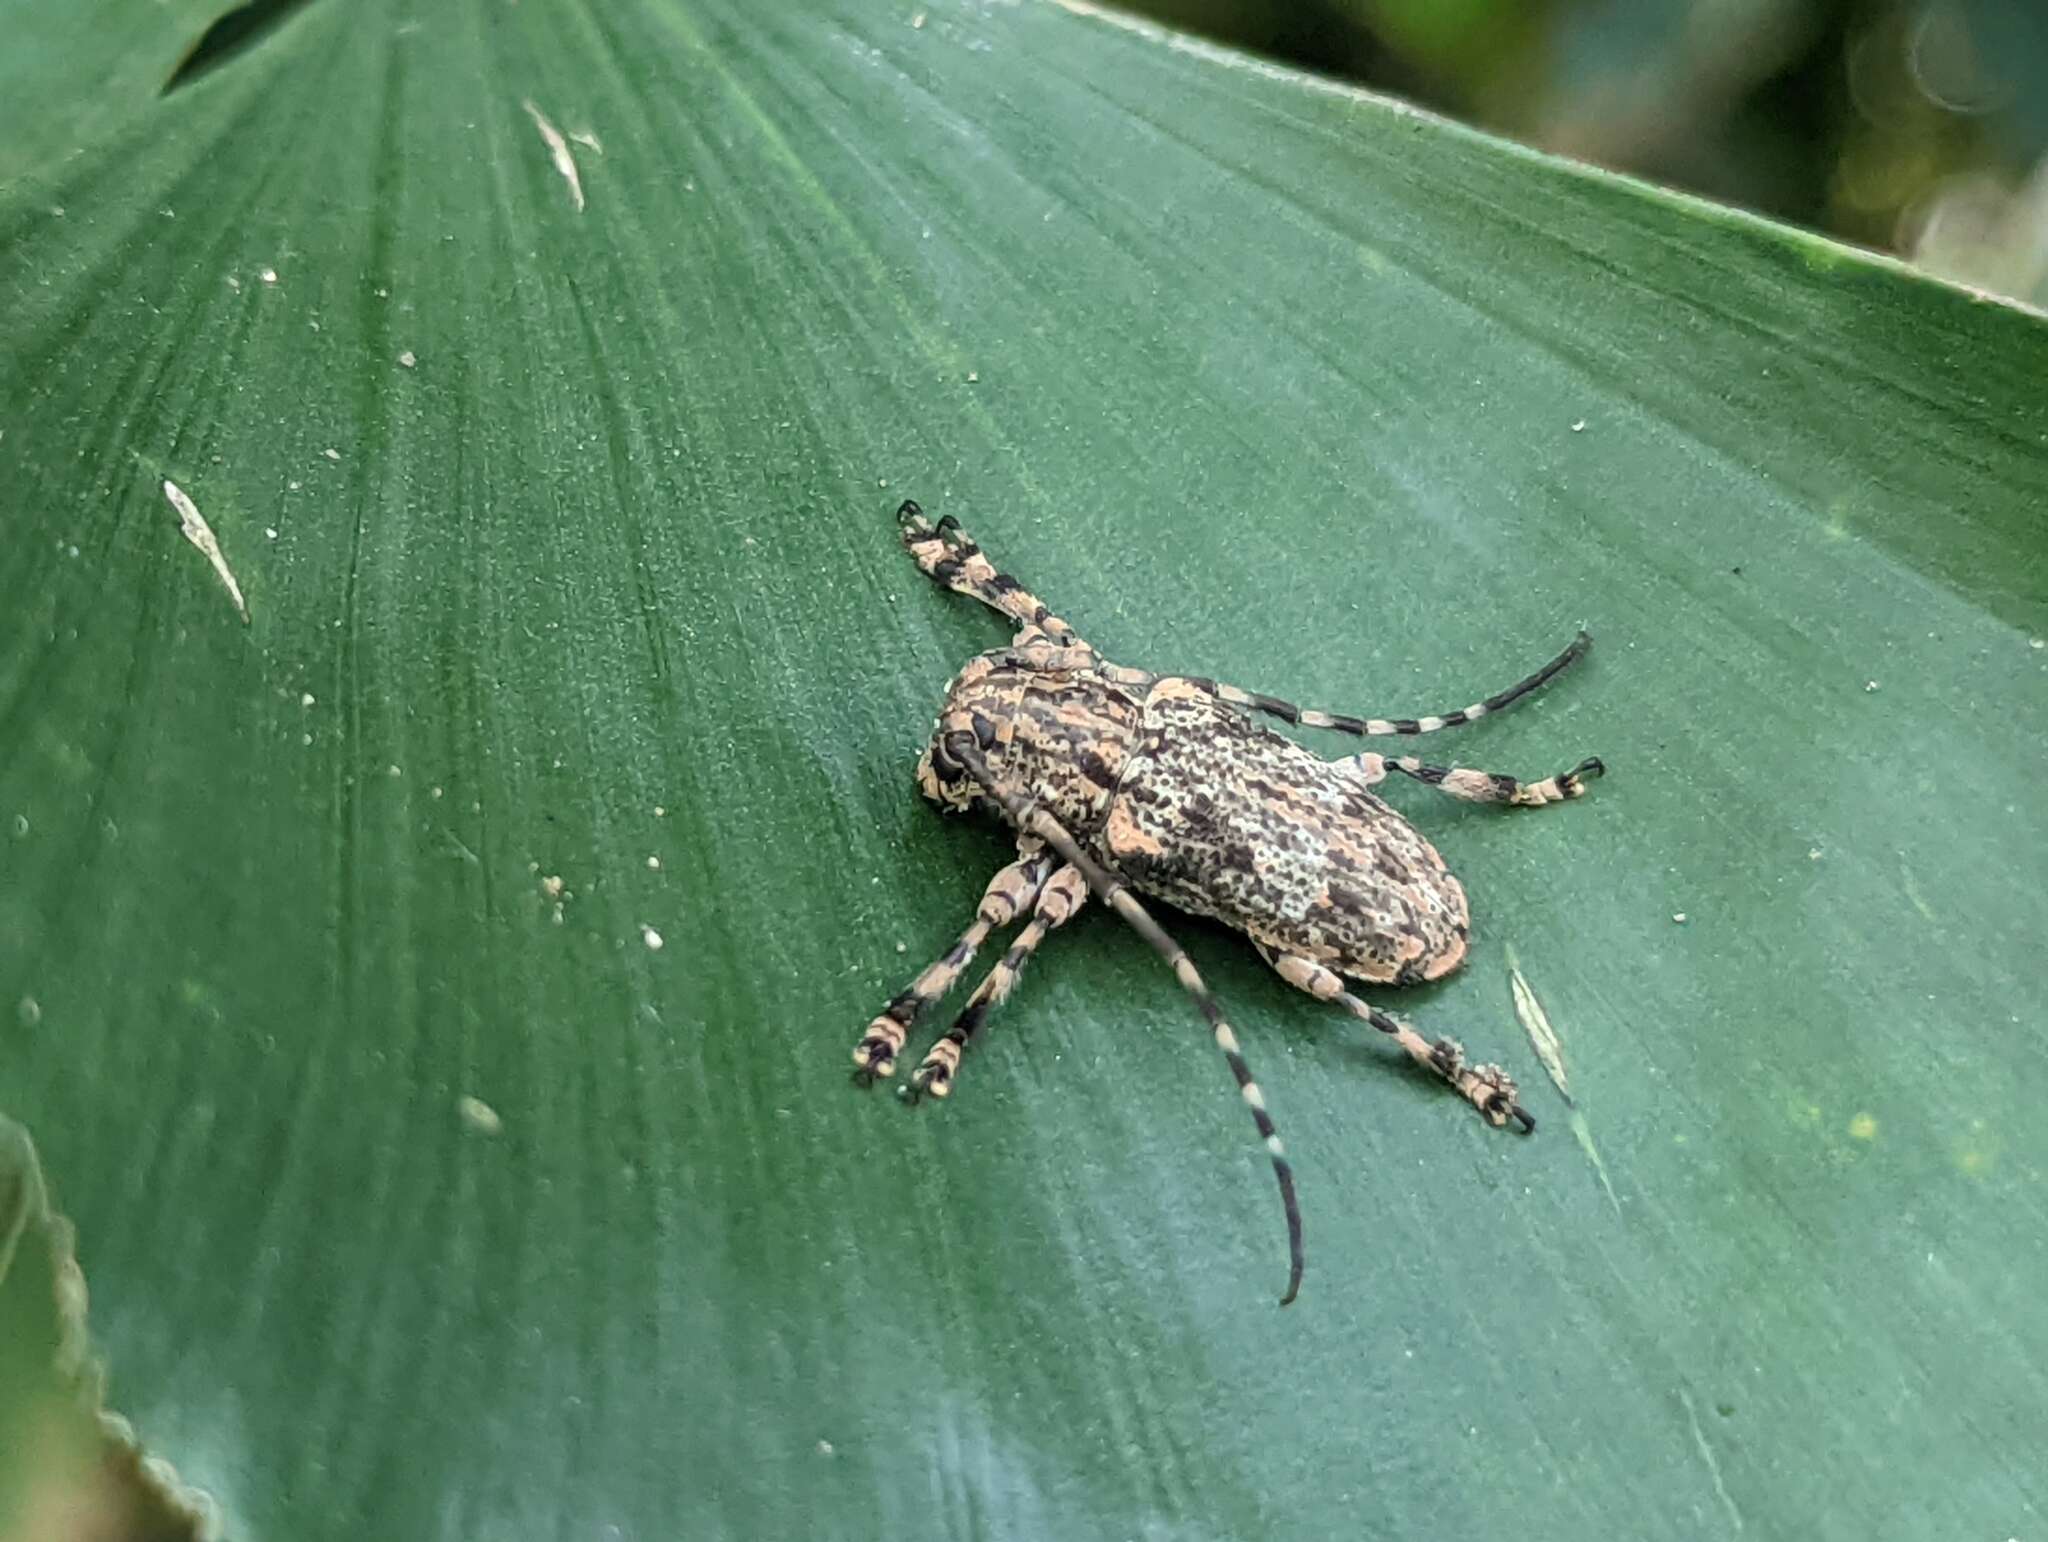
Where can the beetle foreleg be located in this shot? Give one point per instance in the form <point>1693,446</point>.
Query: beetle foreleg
<point>1010,893</point>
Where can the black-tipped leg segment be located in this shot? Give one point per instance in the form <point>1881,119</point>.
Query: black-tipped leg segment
<point>1062,896</point>
<point>1010,893</point>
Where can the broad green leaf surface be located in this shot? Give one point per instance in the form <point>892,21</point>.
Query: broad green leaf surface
<point>69,73</point>
<point>565,540</point>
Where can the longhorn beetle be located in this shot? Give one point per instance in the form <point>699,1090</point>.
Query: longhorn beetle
<point>1119,780</point>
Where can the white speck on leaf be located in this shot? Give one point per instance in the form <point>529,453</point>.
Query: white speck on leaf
<point>479,1115</point>
<point>651,937</point>
<point>408,358</point>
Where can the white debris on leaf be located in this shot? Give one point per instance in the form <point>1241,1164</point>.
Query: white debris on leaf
<point>200,534</point>
<point>1536,1023</point>
<point>558,149</point>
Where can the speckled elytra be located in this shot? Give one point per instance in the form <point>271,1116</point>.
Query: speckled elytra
<point>1119,780</point>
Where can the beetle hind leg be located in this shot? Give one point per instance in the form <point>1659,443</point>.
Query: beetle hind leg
<point>1494,787</point>
<point>1483,786</point>
<point>1065,893</point>
<point>1487,1088</point>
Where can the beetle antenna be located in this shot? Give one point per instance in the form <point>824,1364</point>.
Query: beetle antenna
<point>1033,820</point>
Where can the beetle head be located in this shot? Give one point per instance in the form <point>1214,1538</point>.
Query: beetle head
<point>982,702</point>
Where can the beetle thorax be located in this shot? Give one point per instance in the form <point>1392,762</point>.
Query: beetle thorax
<point>1058,736</point>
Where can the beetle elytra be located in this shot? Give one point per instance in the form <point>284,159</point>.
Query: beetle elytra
<point>1117,780</point>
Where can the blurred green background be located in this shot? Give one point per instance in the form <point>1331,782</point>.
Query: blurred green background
<point>1920,129</point>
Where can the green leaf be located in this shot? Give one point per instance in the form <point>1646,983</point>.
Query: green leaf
<point>422,1196</point>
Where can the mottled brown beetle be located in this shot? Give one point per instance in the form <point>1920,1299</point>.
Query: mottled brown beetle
<point>1116,780</point>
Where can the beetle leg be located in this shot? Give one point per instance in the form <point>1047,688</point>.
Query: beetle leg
<point>1065,893</point>
<point>948,555</point>
<point>1376,727</point>
<point>1486,1087</point>
<point>1010,893</point>
<point>1490,786</point>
